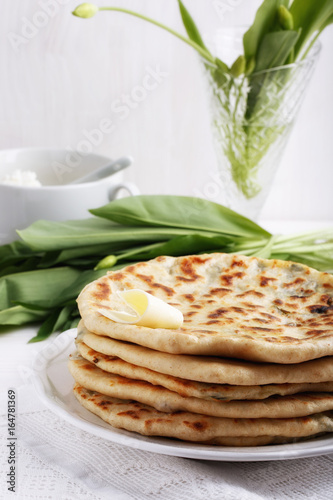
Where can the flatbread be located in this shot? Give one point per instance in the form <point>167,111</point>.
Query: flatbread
<point>137,417</point>
<point>234,306</point>
<point>211,370</point>
<point>190,388</point>
<point>89,376</point>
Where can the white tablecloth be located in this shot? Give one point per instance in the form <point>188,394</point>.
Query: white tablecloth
<point>58,461</point>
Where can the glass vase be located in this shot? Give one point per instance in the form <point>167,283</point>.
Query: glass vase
<point>252,117</point>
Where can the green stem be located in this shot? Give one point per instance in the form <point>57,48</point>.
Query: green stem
<point>251,244</point>
<point>310,235</point>
<point>305,249</point>
<point>237,100</point>
<point>310,45</point>
<point>139,250</point>
<point>202,52</point>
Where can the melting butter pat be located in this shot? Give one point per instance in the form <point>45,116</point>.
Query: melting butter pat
<point>147,310</point>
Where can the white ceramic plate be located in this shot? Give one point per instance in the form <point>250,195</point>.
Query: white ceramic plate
<point>54,383</point>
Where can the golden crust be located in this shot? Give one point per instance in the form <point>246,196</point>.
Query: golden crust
<point>141,418</point>
<point>234,306</point>
<point>192,388</point>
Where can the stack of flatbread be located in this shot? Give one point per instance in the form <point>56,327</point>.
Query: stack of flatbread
<point>252,363</point>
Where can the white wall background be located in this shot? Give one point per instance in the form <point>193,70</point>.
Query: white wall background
<point>61,76</point>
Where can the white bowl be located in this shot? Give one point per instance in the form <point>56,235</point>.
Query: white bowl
<point>55,200</point>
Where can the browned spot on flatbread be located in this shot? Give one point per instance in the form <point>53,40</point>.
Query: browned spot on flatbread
<point>191,313</point>
<point>166,289</point>
<point>185,280</point>
<point>297,281</point>
<point>262,329</point>
<point>103,291</point>
<point>250,292</point>
<point>227,279</point>
<point>269,316</point>
<point>149,422</point>
<point>316,333</point>
<point>292,306</point>
<point>189,296</point>
<point>130,413</point>
<point>239,310</point>
<point>150,281</point>
<point>161,258</point>
<point>319,309</point>
<point>327,299</point>
<point>265,280</point>
<point>218,313</point>
<point>261,320</point>
<point>187,267</point>
<point>197,425</point>
<point>251,306</point>
<point>219,291</point>
<point>145,278</point>
<point>238,263</point>
<point>103,403</point>
<point>117,276</point>
<point>88,366</point>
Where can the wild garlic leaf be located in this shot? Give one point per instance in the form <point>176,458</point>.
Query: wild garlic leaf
<point>37,286</point>
<point>311,16</point>
<point>184,213</point>
<point>263,22</point>
<point>183,245</point>
<point>275,48</point>
<point>19,315</point>
<point>190,26</point>
<point>47,327</point>
<point>53,236</point>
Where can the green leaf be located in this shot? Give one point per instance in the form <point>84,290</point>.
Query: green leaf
<point>47,327</point>
<point>91,252</point>
<point>275,48</point>
<point>187,213</point>
<point>18,315</point>
<point>263,22</point>
<point>310,16</point>
<point>15,252</point>
<point>64,315</point>
<point>221,65</point>
<point>190,26</point>
<point>20,267</point>
<point>71,291</point>
<point>183,245</point>
<point>52,236</point>
<point>33,306</point>
<point>37,286</point>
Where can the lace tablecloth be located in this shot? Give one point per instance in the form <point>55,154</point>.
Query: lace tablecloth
<point>58,461</point>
